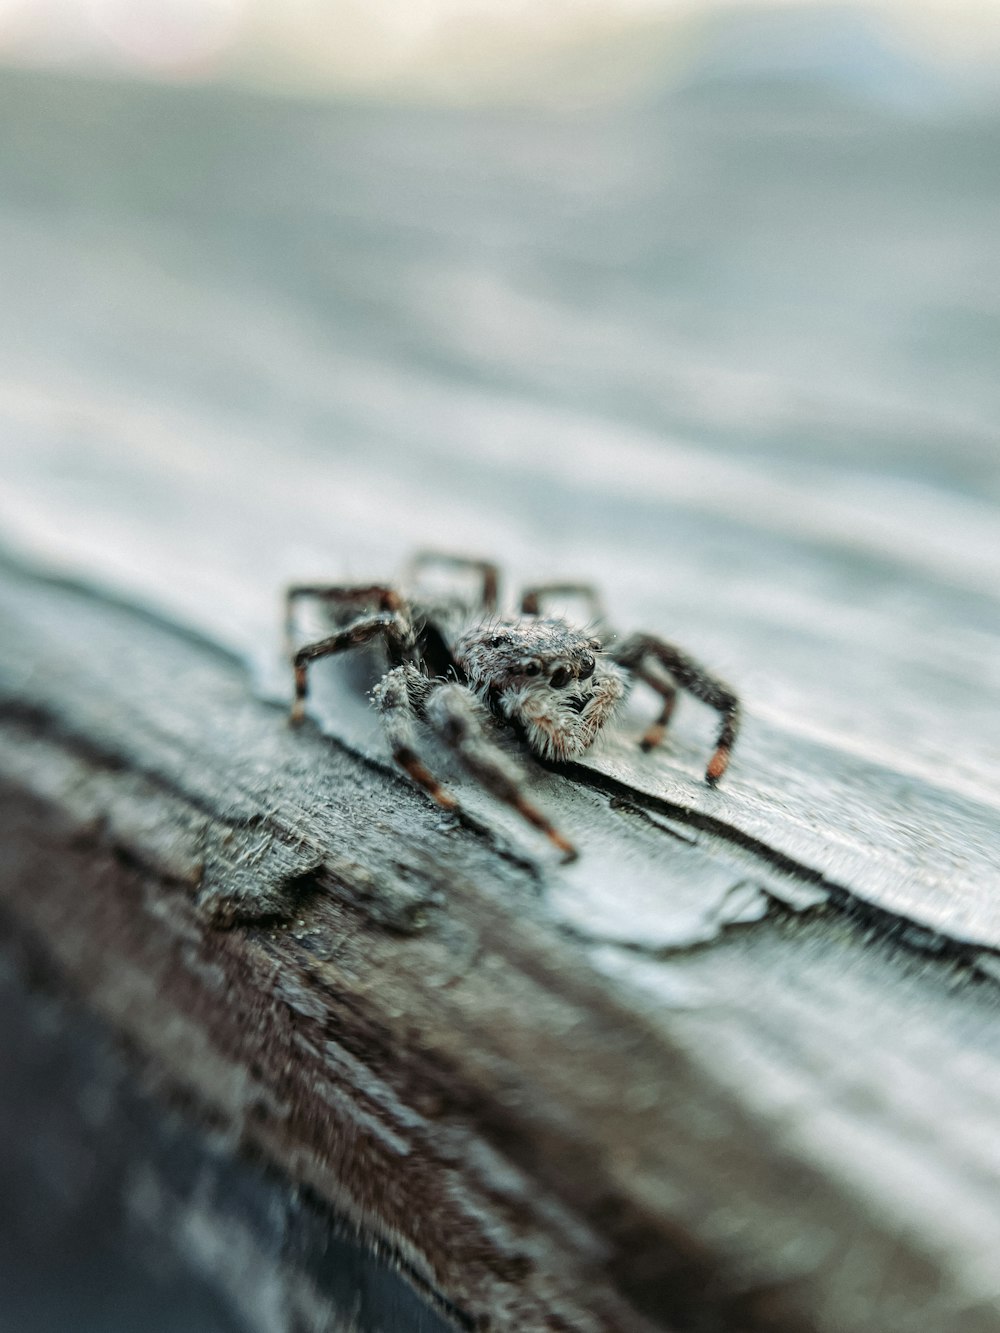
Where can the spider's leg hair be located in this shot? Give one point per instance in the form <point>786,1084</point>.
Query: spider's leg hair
<point>635,652</point>
<point>456,716</point>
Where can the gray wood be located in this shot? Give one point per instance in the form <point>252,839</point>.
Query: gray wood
<point>795,1131</point>
<point>120,1210</point>
<point>738,1063</point>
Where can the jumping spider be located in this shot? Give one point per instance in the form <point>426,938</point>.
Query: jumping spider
<point>453,660</point>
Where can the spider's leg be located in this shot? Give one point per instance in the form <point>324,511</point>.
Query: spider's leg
<point>354,596</point>
<point>454,713</point>
<point>486,569</point>
<point>392,627</point>
<point>532,598</point>
<point>397,696</point>
<point>664,686</point>
<point>634,653</point>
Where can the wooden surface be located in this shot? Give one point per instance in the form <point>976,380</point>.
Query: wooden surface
<point>736,1067</point>
<point>123,1210</point>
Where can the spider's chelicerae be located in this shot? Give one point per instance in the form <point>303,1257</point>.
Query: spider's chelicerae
<point>454,662</point>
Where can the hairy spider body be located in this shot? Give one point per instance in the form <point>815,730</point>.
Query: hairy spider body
<point>453,663</point>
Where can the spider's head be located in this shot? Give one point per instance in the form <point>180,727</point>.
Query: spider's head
<point>552,680</point>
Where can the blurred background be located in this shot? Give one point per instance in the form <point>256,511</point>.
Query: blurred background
<point>561,52</point>
<point>702,302</point>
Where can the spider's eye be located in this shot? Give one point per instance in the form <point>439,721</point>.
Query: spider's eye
<point>587,666</point>
<point>498,640</point>
<point>559,677</point>
<point>531,668</point>
<point>595,644</point>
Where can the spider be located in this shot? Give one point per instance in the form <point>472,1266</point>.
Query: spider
<point>454,660</point>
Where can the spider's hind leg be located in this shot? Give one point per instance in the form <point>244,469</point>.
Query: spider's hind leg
<point>636,654</point>
<point>489,595</point>
<point>533,599</point>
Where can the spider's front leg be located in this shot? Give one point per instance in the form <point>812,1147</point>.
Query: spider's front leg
<point>641,651</point>
<point>454,714</point>
<point>400,697</point>
<point>393,628</point>
<point>337,595</point>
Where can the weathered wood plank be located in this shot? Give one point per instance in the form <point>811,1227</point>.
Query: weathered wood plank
<point>121,1210</point>
<point>544,1128</point>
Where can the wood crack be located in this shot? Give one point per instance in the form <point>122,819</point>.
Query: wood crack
<point>841,897</point>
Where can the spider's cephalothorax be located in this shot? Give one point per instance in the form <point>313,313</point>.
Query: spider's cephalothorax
<point>453,662</point>
<point>553,681</point>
